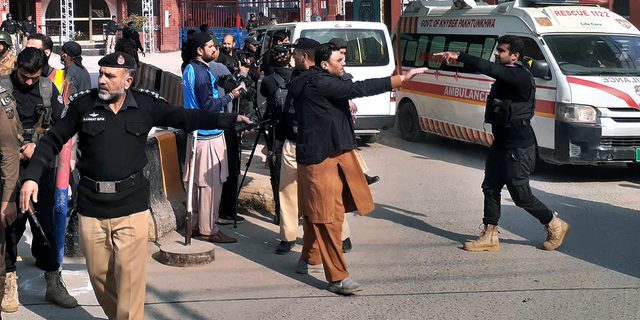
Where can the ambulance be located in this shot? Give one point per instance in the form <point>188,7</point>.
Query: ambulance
<point>585,60</point>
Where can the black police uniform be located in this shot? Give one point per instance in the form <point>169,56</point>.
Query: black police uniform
<point>29,26</point>
<point>79,77</point>
<point>10,26</point>
<point>28,102</point>
<point>112,27</point>
<point>512,156</point>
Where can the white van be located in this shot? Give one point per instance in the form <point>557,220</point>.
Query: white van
<point>369,55</point>
<point>586,60</point>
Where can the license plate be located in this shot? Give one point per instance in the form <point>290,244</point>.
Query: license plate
<point>638,155</point>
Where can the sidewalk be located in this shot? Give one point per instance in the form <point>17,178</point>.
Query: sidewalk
<point>247,267</point>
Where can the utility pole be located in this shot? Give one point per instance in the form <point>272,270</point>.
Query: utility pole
<point>67,27</point>
<point>148,27</point>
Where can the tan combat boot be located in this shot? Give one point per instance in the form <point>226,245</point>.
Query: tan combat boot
<point>556,231</point>
<point>57,291</point>
<point>488,240</point>
<point>10,300</point>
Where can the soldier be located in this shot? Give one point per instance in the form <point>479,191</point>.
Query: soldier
<point>127,45</point>
<point>28,28</point>
<point>113,202</point>
<point>7,58</point>
<point>71,58</point>
<point>39,105</point>
<point>9,169</point>
<point>12,27</point>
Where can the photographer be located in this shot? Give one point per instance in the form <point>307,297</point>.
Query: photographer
<point>211,170</point>
<point>512,157</point>
<point>279,37</point>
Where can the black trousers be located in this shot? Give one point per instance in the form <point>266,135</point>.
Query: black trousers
<point>229,201</point>
<point>511,166</point>
<point>46,258</point>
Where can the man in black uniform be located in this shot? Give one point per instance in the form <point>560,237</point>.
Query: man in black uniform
<point>113,122</point>
<point>112,28</point>
<point>71,58</point>
<point>28,28</point>
<point>135,36</point>
<point>30,90</point>
<point>512,156</point>
<point>12,27</point>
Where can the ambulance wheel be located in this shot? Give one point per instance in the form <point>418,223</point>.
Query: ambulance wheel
<point>408,123</point>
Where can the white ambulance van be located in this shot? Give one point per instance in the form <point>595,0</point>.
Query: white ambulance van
<point>585,58</point>
<point>369,55</point>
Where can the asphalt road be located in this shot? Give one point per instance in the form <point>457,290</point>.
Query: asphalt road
<point>407,253</point>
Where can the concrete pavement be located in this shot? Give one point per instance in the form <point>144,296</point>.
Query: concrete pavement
<point>407,253</point>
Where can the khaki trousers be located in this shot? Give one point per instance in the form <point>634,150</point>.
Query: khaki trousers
<point>289,196</point>
<point>116,254</point>
<point>111,44</point>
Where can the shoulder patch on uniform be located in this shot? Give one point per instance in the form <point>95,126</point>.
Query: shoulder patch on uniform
<point>79,94</point>
<point>9,112</point>
<point>2,90</point>
<point>150,93</point>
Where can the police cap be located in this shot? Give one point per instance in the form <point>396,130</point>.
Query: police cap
<point>306,44</point>
<point>118,60</point>
<point>199,40</point>
<point>251,40</point>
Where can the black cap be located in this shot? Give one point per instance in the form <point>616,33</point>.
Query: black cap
<point>306,44</point>
<point>339,42</point>
<point>118,60</point>
<point>252,15</point>
<point>198,40</point>
<point>72,49</point>
<point>113,16</point>
<point>9,15</point>
<point>280,56</point>
<point>251,40</point>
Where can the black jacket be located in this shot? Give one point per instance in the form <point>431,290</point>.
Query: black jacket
<point>284,128</point>
<point>324,118</point>
<point>112,28</point>
<point>28,27</point>
<point>10,26</point>
<point>512,83</point>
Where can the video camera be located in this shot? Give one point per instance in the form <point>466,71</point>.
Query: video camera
<point>231,81</point>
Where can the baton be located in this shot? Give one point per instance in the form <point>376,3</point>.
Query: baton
<point>32,212</point>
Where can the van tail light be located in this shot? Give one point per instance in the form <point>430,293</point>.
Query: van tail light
<point>393,95</point>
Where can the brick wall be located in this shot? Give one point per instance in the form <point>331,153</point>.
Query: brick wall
<point>169,38</point>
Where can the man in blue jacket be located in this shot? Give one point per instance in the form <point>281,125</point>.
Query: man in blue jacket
<point>211,169</point>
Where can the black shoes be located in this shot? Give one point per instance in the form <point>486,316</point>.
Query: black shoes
<point>285,246</point>
<point>225,219</point>
<point>371,180</point>
<point>346,245</point>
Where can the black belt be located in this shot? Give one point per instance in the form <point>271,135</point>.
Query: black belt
<point>111,186</point>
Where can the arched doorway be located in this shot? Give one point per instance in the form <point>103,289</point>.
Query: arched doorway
<point>89,16</point>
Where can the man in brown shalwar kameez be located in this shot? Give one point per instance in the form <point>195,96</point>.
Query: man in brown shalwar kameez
<point>330,180</point>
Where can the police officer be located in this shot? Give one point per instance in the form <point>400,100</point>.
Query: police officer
<point>28,28</point>
<point>7,58</point>
<point>112,28</point>
<point>71,58</point>
<point>11,26</point>
<point>512,156</point>
<point>9,169</point>
<point>39,105</point>
<point>113,122</point>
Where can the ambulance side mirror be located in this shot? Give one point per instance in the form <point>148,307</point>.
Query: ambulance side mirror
<point>540,69</point>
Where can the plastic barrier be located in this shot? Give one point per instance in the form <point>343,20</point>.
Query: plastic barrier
<point>148,77</point>
<point>171,88</point>
<point>167,196</point>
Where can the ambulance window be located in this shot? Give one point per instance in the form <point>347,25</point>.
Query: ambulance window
<point>475,50</point>
<point>489,43</point>
<point>532,50</point>
<point>410,54</point>
<point>423,43</point>
<point>437,45</point>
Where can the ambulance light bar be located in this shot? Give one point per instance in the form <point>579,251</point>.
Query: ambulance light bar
<point>571,2</point>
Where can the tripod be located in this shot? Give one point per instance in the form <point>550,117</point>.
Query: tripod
<point>267,132</point>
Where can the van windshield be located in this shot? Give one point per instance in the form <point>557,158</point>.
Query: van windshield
<point>365,48</point>
<point>596,54</point>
